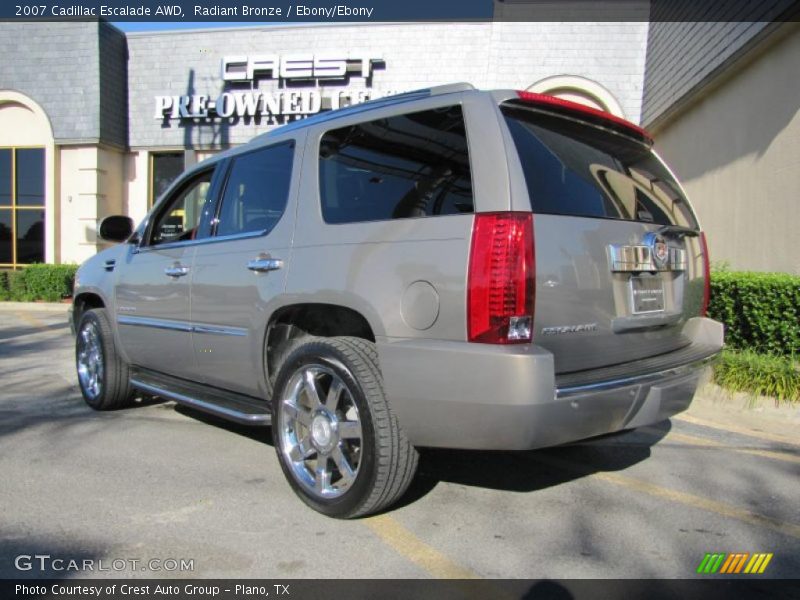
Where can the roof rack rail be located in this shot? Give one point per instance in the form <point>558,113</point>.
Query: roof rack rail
<point>450,88</point>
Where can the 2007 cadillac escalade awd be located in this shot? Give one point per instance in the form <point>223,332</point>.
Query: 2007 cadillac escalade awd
<point>448,268</point>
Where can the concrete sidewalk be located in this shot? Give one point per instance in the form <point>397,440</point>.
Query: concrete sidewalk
<point>742,412</point>
<point>35,306</point>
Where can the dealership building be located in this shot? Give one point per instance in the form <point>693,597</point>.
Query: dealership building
<point>95,122</point>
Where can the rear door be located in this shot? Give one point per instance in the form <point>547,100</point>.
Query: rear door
<point>240,271</point>
<point>618,260</point>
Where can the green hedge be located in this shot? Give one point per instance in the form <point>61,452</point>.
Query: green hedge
<point>761,374</point>
<point>4,293</point>
<point>761,311</point>
<point>50,283</point>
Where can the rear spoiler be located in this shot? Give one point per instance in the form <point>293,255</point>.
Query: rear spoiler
<point>583,113</point>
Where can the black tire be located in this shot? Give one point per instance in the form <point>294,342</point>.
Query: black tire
<point>113,389</point>
<point>383,459</point>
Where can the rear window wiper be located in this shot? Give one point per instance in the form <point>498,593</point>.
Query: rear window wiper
<point>678,231</point>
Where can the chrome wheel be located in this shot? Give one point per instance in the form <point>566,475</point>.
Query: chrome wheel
<point>338,443</point>
<point>319,431</point>
<point>90,361</point>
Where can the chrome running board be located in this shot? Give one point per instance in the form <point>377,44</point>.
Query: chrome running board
<point>221,403</point>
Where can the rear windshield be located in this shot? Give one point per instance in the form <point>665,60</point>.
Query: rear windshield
<point>575,169</point>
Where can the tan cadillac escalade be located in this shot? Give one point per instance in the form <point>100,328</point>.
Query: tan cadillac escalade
<point>444,268</point>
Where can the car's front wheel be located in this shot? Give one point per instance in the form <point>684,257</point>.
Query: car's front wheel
<point>102,374</point>
<point>337,441</point>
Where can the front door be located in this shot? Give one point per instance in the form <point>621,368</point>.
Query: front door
<point>240,271</point>
<point>153,309</point>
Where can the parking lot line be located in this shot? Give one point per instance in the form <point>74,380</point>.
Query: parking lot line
<point>772,437</point>
<point>698,441</point>
<point>685,498</point>
<point>29,320</point>
<point>405,543</point>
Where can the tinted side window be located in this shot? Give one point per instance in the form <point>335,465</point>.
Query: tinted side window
<point>579,170</point>
<point>257,191</point>
<point>412,165</point>
<point>178,219</point>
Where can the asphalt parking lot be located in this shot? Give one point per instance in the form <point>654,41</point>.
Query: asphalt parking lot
<point>158,482</point>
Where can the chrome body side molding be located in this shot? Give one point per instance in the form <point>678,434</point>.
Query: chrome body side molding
<point>154,323</point>
<point>181,326</point>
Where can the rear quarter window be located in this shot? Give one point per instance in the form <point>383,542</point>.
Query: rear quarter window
<point>413,165</point>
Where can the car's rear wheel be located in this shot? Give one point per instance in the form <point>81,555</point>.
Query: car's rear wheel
<point>102,374</point>
<point>337,441</point>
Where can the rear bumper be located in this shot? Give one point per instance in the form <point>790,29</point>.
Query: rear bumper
<point>460,395</point>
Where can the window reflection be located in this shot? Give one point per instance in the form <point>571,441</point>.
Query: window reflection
<point>413,165</point>
<point>30,236</point>
<point>575,169</point>
<point>179,219</point>
<point>257,191</point>
<point>22,210</point>
<point>30,176</point>
<point>6,237</point>
<point>5,177</point>
<point>167,166</point>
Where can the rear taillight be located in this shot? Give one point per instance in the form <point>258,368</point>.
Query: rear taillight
<point>501,280</point>
<point>706,274</point>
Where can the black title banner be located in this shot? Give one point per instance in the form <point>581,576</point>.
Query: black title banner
<point>288,11</point>
<point>712,588</point>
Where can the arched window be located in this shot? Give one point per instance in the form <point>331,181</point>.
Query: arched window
<point>26,150</point>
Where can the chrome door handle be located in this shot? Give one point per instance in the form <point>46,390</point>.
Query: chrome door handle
<point>262,265</point>
<point>176,270</point>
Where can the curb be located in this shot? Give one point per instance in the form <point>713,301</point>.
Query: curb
<point>715,405</point>
<point>53,307</point>
<point>714,396</point>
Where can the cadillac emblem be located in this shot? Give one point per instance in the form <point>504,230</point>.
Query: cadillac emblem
<point>659,250</point>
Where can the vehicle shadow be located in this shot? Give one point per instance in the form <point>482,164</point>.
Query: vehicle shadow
<point>258,434</point>
<point>532,470</point>
<point>10,333</point>
<point>519,471</point>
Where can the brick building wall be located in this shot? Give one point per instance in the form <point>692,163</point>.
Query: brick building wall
<point>488,55</point>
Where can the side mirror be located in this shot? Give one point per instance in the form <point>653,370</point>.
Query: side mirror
<point>117,228</point>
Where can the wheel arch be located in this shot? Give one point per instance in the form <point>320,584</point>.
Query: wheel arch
<point>310,318</point>
<point>84,301</point>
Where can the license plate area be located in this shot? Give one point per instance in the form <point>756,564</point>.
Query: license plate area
<point>646,294</point>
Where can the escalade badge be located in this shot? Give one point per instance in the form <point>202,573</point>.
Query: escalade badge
<point>562,329</point>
